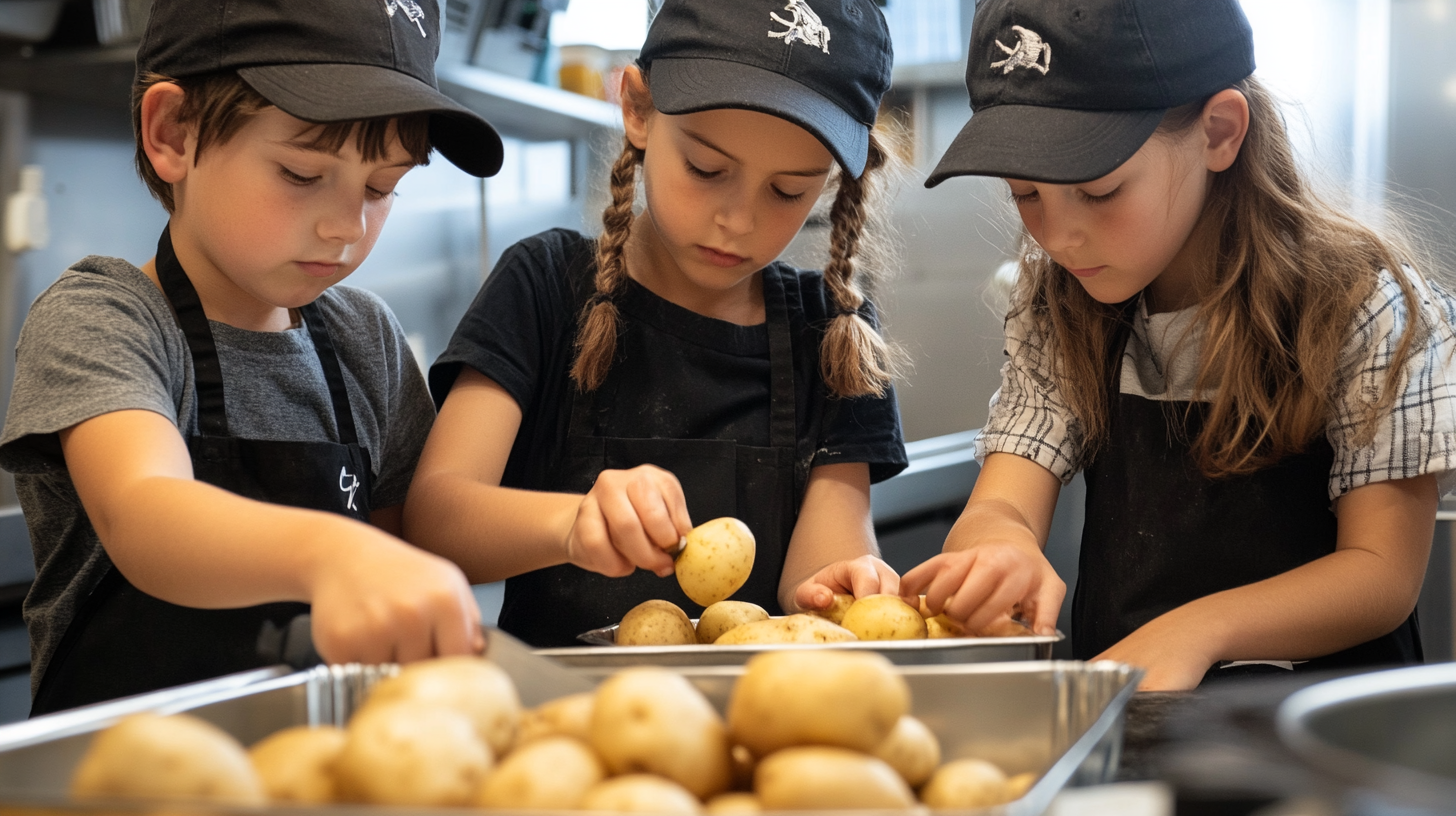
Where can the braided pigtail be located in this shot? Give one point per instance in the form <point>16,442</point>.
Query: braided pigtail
<point>596,339</point>
<point>854,359</point>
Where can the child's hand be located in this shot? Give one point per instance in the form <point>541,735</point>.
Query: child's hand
<point>386,601</point>
<point>630,519</point>
<point>865,575</point>
<point>1173,659</point>
<point>976,586</point>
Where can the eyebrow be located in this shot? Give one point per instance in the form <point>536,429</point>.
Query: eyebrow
<point>310,147</point>
<point>702,140</point>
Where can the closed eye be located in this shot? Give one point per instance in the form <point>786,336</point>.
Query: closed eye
<point>376,195</point>
<point>783,196</point>
<point>295,178</point>
<point>1023,198</point>
<point>697,172</point>
<point>1099,199</point>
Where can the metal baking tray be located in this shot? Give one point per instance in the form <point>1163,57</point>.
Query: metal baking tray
<point>602,651</point>
<point>1392,731</point>
<point>1061,720</point>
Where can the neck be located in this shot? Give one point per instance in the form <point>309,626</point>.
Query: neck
<point>222,300</point>
<point>650,264</point>
<point>1183,282</point>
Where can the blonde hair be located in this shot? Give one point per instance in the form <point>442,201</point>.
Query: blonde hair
<point>855,360</point>
<point>1292,270</point>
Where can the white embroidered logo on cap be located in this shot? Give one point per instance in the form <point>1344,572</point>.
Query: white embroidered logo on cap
<point>1029,49</point>
<point>806,27</point>
<point>411,10</point>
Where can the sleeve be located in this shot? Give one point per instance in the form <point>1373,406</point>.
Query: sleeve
<point>407,422</point>
<point>508,332</point>
<point>1417,435</point>
<point>865,429</point>
<point>89,346</point>
<point>1029,417</point>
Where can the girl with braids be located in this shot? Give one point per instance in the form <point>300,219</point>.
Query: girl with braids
<point>1257,387</point>
<point>600,397</point>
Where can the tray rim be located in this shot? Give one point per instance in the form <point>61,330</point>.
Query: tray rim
<point>604,638</point>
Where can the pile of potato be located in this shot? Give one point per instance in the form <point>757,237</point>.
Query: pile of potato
<point>726,623</point>
<point>804,730</point>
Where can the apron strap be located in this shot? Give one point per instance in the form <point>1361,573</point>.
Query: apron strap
<point>782,422</point>
<point>323,346</point>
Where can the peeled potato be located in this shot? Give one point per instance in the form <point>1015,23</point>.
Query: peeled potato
<point>473,686</point>
<point>296,764</point>
<point>149,756</point>
<point>553,773</point>
<point>656,623</point>
<point>844,699</point>
<point>821,778</point>
<point>788,629</point>
<point>965,783</point>
<point>911,749</point>
<point>409,753</point>
<point>725,615</point>
<point>734,803</point>
<point>884,617</point>
<point>640,793</point>
<point>834,613</point>
<point>649,719</point>
<point>716,560</point>
<point>568,716</point>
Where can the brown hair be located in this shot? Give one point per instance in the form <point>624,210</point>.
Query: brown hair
<point>219,105</point>
<point>1292,271</point>
<point>855,360</point>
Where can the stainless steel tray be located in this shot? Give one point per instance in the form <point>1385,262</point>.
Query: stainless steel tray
<point>1062,720</point>
<point>1393,731</point>
<point>602,651</point>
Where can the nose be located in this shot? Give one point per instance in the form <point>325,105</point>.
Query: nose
<point>1061,226</point>
<point>735,212</point>
<point>344,220</point>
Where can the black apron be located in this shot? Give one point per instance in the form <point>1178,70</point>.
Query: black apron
<point>762,486</point>
<point>1158,533</point>
<point>123,641</point>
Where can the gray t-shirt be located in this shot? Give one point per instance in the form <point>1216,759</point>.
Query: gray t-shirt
<point>103,338</point>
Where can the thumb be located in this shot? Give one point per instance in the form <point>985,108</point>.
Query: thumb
<point>813,595</point>
<point>1047,606</point>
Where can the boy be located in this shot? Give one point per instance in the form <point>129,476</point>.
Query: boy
<point>208,444</point>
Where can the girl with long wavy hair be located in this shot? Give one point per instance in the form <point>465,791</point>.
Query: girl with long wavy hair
<point>1257,386</point>
<point>600,396</point>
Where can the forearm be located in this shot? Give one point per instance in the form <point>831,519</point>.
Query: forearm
<point>490,532</point>
<point>834,525</point>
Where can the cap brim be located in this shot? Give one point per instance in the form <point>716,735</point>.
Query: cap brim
<point>332,92</point>
<point>692,85</point>
<point>1050,145</point>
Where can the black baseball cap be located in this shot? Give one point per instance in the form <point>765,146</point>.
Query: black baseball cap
<point>1065,91</point>
<point>324,61</point>
<point>821,64</point>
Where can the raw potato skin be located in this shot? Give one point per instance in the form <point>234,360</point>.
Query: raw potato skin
<point>884,617</point>
<point>553,773</point>
<point>819,778</point>
<point>411,753</point>
<point>1017,786</point>
<point>652,720</point>
<point>834,613</point>
<point>716,560</point>
<point>734,803</point>
<point>788,629</point>
<point>568,716</point>
<point>912,750</point>
<point>656,623</point>
<point>641,793</point>
<point>297,764</point>
<point>471,685</point>
<point>940,626</point>
<point>965,783</point>
<point>148,756</point>
<point>844,699</point>
<point>725,615</point>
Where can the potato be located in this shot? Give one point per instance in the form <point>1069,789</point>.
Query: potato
<point>149,756</point>
<point>1005,626</point>
<point>884,617</point>
<point>552,773</point>
<point>788,629</point>
<point>820,778</point>
<point>409,752</point>
<point>834,613</point>
<point>296,764</point>
<point>965,783</point>
<point>471,685</point>
<point>940,626</point>
<point>734,803</point>
<point>650,719</point>
<point>725,615</point>
<point>1017,786</point>
<point>911,749</point>
<point>845,699</point>
<point>568,716</point>
<point>715,560</point>
<point>656,623</point>
<point>742,762</point>
<point>640,793</point>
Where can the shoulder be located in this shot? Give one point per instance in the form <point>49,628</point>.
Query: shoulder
<point>1386,315</point>
<point>556,266</point>
<point>98,296</point>
<point>809,295</point>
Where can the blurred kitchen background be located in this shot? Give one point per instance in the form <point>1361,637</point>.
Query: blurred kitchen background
<point>1370,87</point>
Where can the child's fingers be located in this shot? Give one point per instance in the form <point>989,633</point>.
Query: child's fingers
<point>945,580</point>
<point>994,604</point>
<point>628,537</point>
<point>889,579</point>
<point>590,546</point>
<point>457,628</point>
<point>677,503</point>
<point>653,513</point>
<point>1047,606</point>
<point>813,595</point>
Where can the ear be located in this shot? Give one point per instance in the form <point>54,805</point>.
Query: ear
<point>1225,123</point>
<point>636,102</point>
<point>168,143</point>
